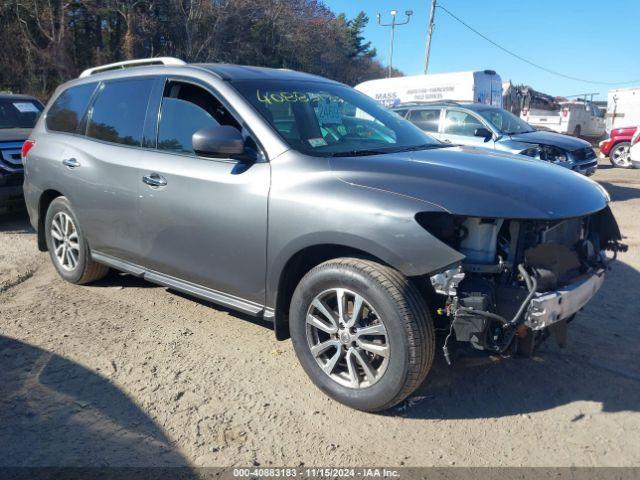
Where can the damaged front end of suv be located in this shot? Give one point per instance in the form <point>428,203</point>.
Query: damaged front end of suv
<point>520,280</point>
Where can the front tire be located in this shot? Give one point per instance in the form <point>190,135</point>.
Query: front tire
<point>619,156</point>
<point>362,332</point>
<point>68,247</point>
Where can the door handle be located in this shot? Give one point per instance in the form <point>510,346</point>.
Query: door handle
<point>71,163</point>
<point>154,180</point>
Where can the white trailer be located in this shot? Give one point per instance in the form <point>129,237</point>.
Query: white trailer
<point>480,87</point>
<point>623,108</point>
<point>577,118</point>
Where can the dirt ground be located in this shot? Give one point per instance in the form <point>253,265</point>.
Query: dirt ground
<point>124,372</point>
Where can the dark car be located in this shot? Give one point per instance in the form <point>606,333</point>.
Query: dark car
<point>485,126</point>
<point>301,201</point>
<point>18,115</point>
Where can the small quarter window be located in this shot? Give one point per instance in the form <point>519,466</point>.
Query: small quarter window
<point>119,112</point>
<point>67,111</point>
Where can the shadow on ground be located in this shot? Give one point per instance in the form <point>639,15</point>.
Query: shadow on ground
<point>54,412</point>
<point>620,193</point>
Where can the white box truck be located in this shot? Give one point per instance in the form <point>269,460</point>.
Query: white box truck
<point>623,108</point>
<point>480,87</point>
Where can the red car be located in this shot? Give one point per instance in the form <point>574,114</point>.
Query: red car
<point>617,146</point>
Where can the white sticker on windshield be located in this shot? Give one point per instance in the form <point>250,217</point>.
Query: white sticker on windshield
<point>26,107</point>
<point>317,142</point>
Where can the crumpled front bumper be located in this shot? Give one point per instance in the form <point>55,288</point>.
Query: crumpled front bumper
<point>551,307</point>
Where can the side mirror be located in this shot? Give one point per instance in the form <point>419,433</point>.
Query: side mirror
<point>221,141</point>
<point>484,133</point>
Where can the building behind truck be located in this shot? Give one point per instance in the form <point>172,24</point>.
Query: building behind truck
<point>623,108</point>
<point>483,86</point>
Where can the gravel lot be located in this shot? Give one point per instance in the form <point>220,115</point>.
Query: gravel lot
<point>128,373</point>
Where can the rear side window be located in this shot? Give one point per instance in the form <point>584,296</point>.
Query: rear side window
<point>67,111</point>
<point>119,112</point>
<point>427,120</point>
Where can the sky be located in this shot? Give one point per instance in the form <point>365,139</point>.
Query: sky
<point>594,40</point>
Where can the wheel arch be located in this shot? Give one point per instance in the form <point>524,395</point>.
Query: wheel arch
<point>44,201</point>
<point>298,264</point>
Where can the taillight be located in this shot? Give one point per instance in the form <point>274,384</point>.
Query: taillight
<point>565,112</point>
<point>26,146</point>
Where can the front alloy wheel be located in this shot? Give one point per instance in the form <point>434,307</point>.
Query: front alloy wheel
<point>362,332</point>
<point>347,338</point>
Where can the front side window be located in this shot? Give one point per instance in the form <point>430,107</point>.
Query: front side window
<point>427,120</point>
<point>186,108</point>
<point>325,119</point>
<point>461,123</point>
<point>67,111</point>
<point>505,122</point>
<point>119,112</point>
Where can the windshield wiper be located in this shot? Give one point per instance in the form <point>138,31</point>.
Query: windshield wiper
<point>425,146</point>
<point>358,153</point>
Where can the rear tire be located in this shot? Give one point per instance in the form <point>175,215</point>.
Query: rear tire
<point>68,247</point>
<point>348,370</point>
<point>577,131</point>
<point>619,155</point>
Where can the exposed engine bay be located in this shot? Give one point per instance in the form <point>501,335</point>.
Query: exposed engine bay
<point>521,280</point>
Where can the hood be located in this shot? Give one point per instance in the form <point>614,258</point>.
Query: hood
<point>551,138</point>
<point>14,134</point>
<point>477,182</point>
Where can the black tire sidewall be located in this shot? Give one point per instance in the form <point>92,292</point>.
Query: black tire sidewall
<point>394,378</point>
<point>61,204</point>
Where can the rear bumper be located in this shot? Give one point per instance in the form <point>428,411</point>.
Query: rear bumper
<point>550,307</point>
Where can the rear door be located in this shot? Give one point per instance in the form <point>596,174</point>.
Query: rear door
<point>459,128</point>
<point>100,165</point>
<point>203,220</point>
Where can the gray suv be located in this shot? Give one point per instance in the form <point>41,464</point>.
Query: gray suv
<point>480,125</point>
<point>299,200</point>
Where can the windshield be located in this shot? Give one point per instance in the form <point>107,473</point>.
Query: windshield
<point>19,112</point>
<point>505,122</point>
<point>324,119</point>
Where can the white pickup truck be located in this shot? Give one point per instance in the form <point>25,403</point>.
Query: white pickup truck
<point>577,118</point>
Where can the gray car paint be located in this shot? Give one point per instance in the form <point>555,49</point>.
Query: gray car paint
<point>225,231</point>
<point>507,143</point>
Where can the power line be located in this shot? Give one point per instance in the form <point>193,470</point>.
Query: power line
<point>548,70</point>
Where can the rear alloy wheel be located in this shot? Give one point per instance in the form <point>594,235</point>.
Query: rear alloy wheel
<point>67,246</point>
<point>620,155</point>
<point>362,332</point>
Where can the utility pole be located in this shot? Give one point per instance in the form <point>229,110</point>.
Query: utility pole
<point>429,34</point>
<point>393,25</point>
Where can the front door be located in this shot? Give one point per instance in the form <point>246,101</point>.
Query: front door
<point>203,220</point>
<point>459,128</point>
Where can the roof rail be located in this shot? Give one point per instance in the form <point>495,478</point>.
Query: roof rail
<point>141,62</point>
